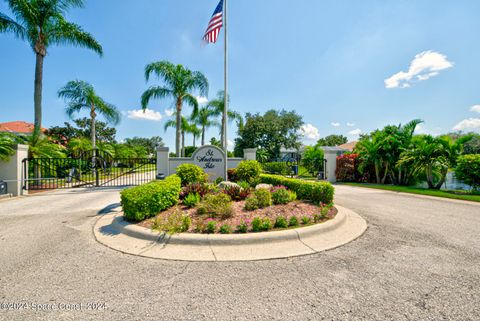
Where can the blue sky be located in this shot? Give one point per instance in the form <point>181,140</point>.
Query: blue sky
<point>328,60</point>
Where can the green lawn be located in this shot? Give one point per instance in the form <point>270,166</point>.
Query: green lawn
<point>459,195</point>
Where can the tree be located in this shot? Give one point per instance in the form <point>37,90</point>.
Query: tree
<point>204,120</point>
<point>79,96</point>
<point>271,132</point>
<point>313,159</point>
<point>218,107</point>
<point>369,151</point>
<point>78,146</point>
<point>104,132</point>
<point>179,82</point>
<point>215,142</point>
<point>332,140</point>
<point>470,147</point>
<point>150,144</point>
<point>468,170</point>
<point>185,127</point>
<point>434,156</point>
<point>42,24</point>
<point>8,142</point>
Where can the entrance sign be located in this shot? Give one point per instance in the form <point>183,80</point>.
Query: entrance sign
<point>211,159</point>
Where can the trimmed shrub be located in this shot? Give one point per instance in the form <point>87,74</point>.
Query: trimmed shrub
<point>468,170</point>
<point>225,229</point>
<point>317,192</point>
<point>145,201</point>
<point>306,220</point>
<point>266,224</point>
<point>280,168</point>
<point>242,227</point>
<point>264,197</point>
<point>211,227</point>
<point>293,221</point>
<point>280,195</point>
<point>257,224</point>
<point>191,200</point>
<point>281,222</point>
<point>190,173</point>
<point>216,205</point>
<point>251,203</point>
<point>249,170</point>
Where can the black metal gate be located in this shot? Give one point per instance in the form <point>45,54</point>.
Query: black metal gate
<point>91,169</point>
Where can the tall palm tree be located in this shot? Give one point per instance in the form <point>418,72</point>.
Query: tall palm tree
<point>204,120</point>
<point>369,150</point>
<point>194,130</point>
<point>179,83</point>
<point>41,23</point>
<point>218,105</point>
<point>79,96</point>
<point>183,128</point>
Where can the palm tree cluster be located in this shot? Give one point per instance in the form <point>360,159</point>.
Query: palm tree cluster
<point>400,157</point>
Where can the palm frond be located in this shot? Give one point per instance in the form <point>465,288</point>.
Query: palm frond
<point>9,25</point>
<point>108,111</point>
<point>192,101</point>
<point>162,69</point>
<point>154,92</point>
<point>67,33</point>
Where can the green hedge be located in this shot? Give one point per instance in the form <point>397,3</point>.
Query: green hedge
<point>144,201</point>
<point>318,192</point>
<point>277,168</point>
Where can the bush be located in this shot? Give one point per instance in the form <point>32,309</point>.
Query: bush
<point>201,189</point>
<point>347,168</point>
<point>281,222</point>
<point>216,205</point>
<point>249,170</point>
<point>264,197</point>
<point>176,222</point>
<point>293,221</point>
<point>190,173</point>
<point>225,229</point>
<point>257,224</point>
<point>144,201</point>
<point>218,180</point>
<point>280,168</point>
<point>191,200</point>
<point>251,203</point>
<point>242,227</point>
<point>317,192</point>
<point>266,224</point>
<point>243,184</point>
<point>232,175</point>
<point>280,195</point>
<point>468,170</point>
<point>211,227</point>
<point>306,220</point>
<point>293,196</point>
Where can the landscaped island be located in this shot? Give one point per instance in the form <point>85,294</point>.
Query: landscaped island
<point>249,202</point>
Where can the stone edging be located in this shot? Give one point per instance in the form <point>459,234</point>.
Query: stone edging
<point>112,231</point>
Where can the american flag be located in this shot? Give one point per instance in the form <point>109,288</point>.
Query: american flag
<point>215,24</point>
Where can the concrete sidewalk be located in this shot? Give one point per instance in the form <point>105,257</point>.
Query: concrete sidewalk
<point>112,231</point>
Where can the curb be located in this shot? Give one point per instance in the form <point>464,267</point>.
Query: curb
<point>113,232</point>
<point>146,234</point>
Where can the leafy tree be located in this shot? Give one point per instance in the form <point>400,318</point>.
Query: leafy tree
<point>150,144</point>
<point>179,84</point>
<point>313,158</point>
<point>42,24</point>
<point>271,132</point>
<point>79,146</point>
<point>218,106</point>
<point>470,147</point>
<point>332,140</point>
<point>79,96</point>
<point>104,132</point>
<point>468,170</point>
<point>215,142</point>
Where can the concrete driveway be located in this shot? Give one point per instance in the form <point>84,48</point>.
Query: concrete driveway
<point>419,260</point>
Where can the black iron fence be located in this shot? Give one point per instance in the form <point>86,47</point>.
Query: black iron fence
<point>91,169</point>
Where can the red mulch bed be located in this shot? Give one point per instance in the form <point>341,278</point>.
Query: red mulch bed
<point>297,208</point>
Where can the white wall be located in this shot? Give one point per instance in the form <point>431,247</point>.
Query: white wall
<point>11,171</point>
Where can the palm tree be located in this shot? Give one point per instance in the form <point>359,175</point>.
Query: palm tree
<point>218,106</point>
<point>194,130</point>
<point>183,128</point>
<point>7,145</point>
<point>179,84</point>
<point>369,150</point>
<point>79,146</point>
<point>204,120</point>
<point>80,95</point>
<point>42,23</point>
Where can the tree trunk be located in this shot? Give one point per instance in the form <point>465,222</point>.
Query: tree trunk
<point>377,173</point>
<point>385,175</point>
<point>183,143</point>
<point>178,135</point>
<point>203,135</point>
<point>429,173</point>
<point>221,134</point>
<point>93,133</point>
<point>37,93</point>
<point>194,139</point>
<point>442,180</point>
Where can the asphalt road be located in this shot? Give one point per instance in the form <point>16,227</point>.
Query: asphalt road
<point>419,260</point>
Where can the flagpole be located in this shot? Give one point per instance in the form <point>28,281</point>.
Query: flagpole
<point>225,102</point>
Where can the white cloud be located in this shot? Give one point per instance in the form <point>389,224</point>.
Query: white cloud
<point>350,124</point>
<point>355,133</point>
<point>425,65</point>
<point>475,108</point>
<point>309,132</point>
<point>335,124</point>
<point>169,112</point>
<point>148,114</point>
<point>202,100</point>
<point>468,124</point>
<point>230,144</point>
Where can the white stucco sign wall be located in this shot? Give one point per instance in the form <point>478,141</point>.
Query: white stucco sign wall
<point>211,159</point>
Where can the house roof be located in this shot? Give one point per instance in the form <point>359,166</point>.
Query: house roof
<point>350,146</point>
<point>20,127</point>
